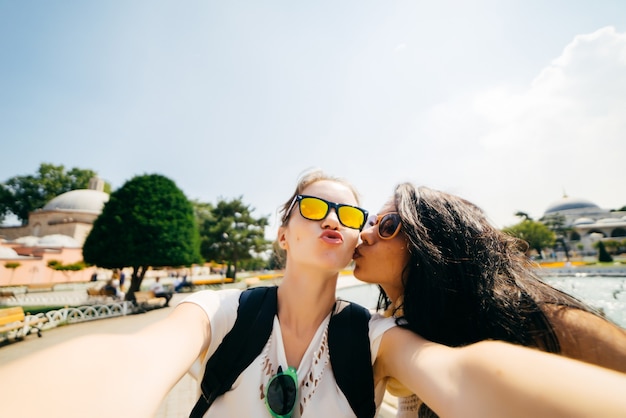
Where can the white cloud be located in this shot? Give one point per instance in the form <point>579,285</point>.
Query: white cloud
<point>564,132</point>
<point>400,47</point>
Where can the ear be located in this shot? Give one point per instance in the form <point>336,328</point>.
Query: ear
<point>282,237</point>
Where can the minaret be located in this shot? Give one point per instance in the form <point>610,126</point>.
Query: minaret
<point>96,183</point>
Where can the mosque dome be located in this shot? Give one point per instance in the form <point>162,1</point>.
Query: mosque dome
<point>6,252</point>
<point>58,240</point>
<point>50,241</point>
<point>609,220</point>
<point>83,200</point>
<point>27,241</point>
<point>569,203</point>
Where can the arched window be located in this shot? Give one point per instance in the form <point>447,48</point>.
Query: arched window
<point>618,232</point>
<point>596,231</point>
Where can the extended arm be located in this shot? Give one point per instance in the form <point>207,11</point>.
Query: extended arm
<point>496,379</point>
<point>107,375</point>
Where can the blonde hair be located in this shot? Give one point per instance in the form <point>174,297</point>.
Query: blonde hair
<point>309,177</point>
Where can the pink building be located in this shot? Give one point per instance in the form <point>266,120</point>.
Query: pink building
<point>28,265</point>
<point>55,232</point>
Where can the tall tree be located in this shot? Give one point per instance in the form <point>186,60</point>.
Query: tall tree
<point>556,223</point>
<point>148,222</point>
<point>230,234</point>
<point>603,254</point>
<point>5,200</point>
<point>21,195</point>
<point>536,234</point>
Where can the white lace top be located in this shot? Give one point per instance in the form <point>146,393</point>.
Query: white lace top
<point>319,394</point>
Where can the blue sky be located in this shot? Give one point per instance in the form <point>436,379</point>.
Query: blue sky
<point>506,103</point>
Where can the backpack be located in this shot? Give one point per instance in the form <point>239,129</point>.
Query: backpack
<point>348,346</point>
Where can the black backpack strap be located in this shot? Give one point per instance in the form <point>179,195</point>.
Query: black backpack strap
<point>350,356</point>
<point>244,342</point>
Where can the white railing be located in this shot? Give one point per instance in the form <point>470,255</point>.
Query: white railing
<point>72,315</point>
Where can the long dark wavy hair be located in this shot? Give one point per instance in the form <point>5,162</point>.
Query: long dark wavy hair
<point>467,281</point>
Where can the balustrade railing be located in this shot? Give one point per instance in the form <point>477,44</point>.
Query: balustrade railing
<point>72,315</point>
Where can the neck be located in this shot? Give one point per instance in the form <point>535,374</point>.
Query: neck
<point>394,293</point>
<point>305,298</point>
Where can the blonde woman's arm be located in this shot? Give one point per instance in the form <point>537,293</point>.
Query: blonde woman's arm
<point>107,375</point>
<point>496,379</point>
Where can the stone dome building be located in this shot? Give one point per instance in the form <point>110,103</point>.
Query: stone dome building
<point>56,233</point>
<point>70,214</point>
<point>587,221</point>
<point>571,206</point>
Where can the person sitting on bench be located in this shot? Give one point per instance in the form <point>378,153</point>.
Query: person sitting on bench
<point>160,291</point>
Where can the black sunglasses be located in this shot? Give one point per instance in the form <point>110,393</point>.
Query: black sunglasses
<point>315,209</point>
<point>388,224</point>
<point>281,393</point>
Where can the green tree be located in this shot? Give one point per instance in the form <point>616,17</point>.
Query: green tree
<point>21,195</point>
<point>536,234</point>
<point>230,234</point>
<point>5,200</point>
<point>556,223</point>
<point>148,222</point>
<point>611,245</point>
<point>603,254</point>
<point>276,259</point>
<point>12,265</point>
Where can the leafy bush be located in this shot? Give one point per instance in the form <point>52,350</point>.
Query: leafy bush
<point>57,265</point>
<point>603,254</point>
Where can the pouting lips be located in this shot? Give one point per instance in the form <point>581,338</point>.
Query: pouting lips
<point>331,236</point>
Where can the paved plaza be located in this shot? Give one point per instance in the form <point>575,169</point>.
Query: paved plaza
<point>179,401</point>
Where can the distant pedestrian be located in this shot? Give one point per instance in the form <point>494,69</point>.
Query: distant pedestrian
<point>160,291</point>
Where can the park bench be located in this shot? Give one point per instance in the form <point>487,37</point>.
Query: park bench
<point>204,282</point>
<point>102,292</point>
<point>14,321</point>
<point>209,283</point>
<point>40,287</point>
<point>7,294</point>
<point>148,300</point>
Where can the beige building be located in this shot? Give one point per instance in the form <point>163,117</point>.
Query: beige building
<point>55,232</point>
<point>588,222</point>
<point>70,214</point>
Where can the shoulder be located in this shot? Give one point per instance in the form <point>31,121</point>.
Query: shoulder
<point>210,300</point>
<point>378,325</point>
<point>569,319</point>
<point>588,337</point>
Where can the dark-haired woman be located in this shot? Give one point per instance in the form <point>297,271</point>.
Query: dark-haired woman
<point>450,276</point>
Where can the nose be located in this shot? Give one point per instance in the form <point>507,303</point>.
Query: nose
<point>331,220</point>
<point>367,234</point>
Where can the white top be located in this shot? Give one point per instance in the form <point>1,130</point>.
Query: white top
<point>321,397</point>
<point>408,406</point>
<point>157,287</point>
